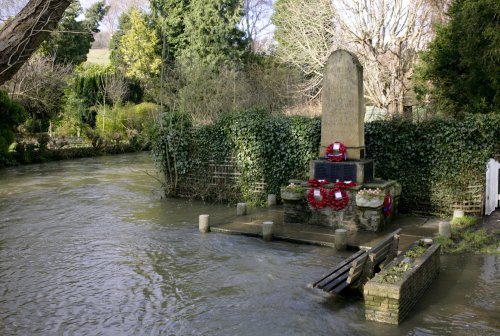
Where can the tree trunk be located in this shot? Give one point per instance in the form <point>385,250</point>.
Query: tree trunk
<point>21,36</point>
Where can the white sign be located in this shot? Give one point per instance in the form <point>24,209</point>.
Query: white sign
<point>338,195</point>
<point>317,193</point>
<point>336,146</point>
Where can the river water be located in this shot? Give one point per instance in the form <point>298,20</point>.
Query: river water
<point>88,247</point>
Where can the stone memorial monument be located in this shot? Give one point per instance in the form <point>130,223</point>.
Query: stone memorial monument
<point>342,120</point>
<point>343,107</point>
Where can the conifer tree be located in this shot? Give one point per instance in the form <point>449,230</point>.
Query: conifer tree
<point>72,40</point>
<point>463,61</point>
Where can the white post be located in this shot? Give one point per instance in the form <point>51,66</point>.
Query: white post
<point>241,209</point>
<point>271,199</point>
<point>267,231</point>
<point>340,239</point>
<point>445,229</point>
<point>458,213</point>
<point>204,224</point>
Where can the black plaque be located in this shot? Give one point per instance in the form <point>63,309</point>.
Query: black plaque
<point>332,171</point>
<point>359,171</point>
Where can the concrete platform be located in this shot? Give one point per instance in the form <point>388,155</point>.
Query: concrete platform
<point>413,228</point>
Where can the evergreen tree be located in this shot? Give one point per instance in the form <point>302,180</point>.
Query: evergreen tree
<point>463,61</point>
<point>169,18</point>
<point>116,57</point>
<point>137,48</point>
<point>211,32</point>
<point>201,30</point>
<point>11,115</point>
<point>72,40</point>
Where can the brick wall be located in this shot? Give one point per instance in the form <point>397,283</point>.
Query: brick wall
<point>392,302</point>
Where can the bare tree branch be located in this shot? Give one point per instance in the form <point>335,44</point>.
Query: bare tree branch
<point>256,21</point>
<point>385,35</point>
<point>21,36</point>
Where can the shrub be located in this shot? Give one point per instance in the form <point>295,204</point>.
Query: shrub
<point>11,115</point>
<point>434,160</point>
<point>264,147</point>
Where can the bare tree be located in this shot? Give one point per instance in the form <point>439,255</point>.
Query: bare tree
<point>256,21</point>
<point>21,36</point>
<point>305,38</point>
<point>39,86</point>
<point>116,8</point>
<point>116,87</point>
<point>438,10</point>
<point>386,36</point>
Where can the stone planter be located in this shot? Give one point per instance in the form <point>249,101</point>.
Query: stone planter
<point>292,195</point>
<point>392,302</point>
<point>369,201</point>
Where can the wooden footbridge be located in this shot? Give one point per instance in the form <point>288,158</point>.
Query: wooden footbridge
<point>360,267</point>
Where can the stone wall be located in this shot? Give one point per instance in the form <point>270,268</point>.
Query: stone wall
<point>392,302</point>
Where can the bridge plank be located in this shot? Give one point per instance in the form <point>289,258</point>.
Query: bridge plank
<point>329,279</point>
<point>330,287</point>
<point>359,266</point>
<point>354,276</point>
<point>339,266</point>
<point>340,287</point>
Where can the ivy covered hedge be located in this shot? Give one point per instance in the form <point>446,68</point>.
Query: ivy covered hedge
<point>434,160</point>
<point>263,146</point>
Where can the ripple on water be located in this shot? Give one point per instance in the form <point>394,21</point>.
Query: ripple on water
<point>87,249</point>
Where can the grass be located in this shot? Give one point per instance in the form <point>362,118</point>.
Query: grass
<point>465,238</point>
<point>463,222</point>
<point>98,56</point>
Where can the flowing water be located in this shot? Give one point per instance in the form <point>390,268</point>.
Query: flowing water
<point>88,247</point>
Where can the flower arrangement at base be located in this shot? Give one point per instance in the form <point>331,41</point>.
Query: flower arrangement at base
<point>336,152</point>
<point>370,192</point>
<point>321,201</point>
<point>388,206</point>
<point>370,198</point>
<point>294,187</point>
<point>338,199</point>
<point>292,192</point>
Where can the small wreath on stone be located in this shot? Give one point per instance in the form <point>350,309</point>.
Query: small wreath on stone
<point>345,184</point>
<point>336,152</point>
<point>338,198</point>
<point>317,183</point>
<point>387,205</point>
<point>314,202</point>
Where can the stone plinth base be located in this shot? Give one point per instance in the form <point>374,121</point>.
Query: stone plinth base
<point>355,153</point>
<point>392,302</point>
<point>360,213</point>
<point>360,171</point>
